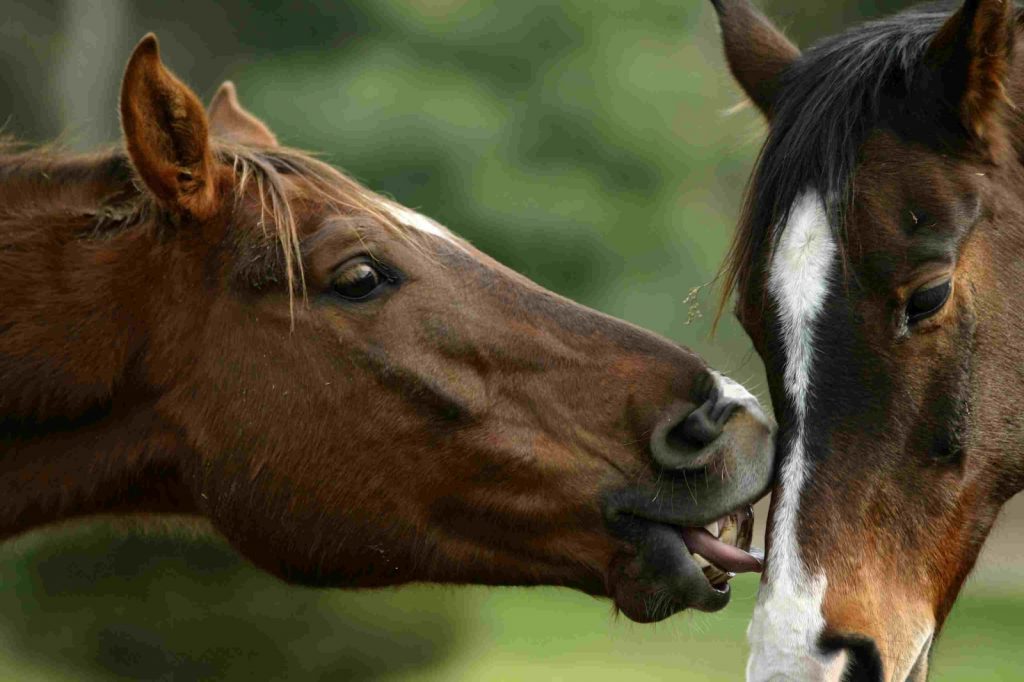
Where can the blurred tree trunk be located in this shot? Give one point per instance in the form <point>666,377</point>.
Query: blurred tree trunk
<point>29,33</point>
<point>89,71</point>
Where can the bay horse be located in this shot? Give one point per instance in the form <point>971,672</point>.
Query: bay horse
<point>874,268</point>
<point>209,324</point>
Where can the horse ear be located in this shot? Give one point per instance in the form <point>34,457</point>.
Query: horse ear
<point>757,52</point>
<point>166,133</point>
<point>230,121</point>
<point>972,53</point>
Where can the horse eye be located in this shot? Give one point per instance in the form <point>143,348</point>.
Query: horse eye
<point>359,281</point>
<point>927,301</point>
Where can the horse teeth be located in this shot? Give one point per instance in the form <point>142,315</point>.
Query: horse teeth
<point>712,573</point>
<point>715,575</point>
<point>728,532</point>
<point>745,527</point>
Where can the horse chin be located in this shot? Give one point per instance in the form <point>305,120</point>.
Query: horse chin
<point>663,578</point>
<point>667,575</point>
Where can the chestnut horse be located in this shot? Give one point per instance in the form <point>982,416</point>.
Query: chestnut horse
<point>213,325</point>
<point>874,267</point>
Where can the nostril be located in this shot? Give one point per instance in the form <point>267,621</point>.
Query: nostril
<point>683,438</point>
<point>698,429</point>
<point>863,662</point>
<point>722,410</point>
<point>705,424</point>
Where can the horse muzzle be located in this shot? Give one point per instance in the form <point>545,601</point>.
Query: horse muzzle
<point>691,528</point>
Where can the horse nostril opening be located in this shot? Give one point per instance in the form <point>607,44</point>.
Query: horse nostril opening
<point>683,440</point>
<point>698,429</point>
<point>863,662</point>
<point>722,410</point>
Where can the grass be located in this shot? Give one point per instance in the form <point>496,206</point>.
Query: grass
<point>554,635</point>
<point>91,604</point>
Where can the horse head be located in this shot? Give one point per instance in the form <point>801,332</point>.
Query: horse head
<point>347,391</point>
<point>874,268</point>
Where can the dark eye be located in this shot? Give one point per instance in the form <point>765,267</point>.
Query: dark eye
<point>928,300</point>
<point>360,281</point>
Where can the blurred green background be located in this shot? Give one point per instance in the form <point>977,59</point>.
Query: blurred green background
<point>585,143</point>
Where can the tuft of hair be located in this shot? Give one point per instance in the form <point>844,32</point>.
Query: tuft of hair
<point>266,170</point>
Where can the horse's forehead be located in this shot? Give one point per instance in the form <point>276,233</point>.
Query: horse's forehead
<point>904,193</point>
<point>379,217</point>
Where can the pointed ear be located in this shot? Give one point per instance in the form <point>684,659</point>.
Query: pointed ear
<point>165,132</point>
<point>971,56</point>
<point>757,52</point>
<point>230,121</point>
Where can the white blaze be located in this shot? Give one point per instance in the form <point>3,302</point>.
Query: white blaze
<point>788,619</point>
<point>417,221</point>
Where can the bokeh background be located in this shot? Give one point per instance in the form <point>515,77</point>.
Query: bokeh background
<point>587,143</point>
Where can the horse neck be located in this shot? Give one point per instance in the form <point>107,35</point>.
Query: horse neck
<point>79,433</point>
<point>124,462</point>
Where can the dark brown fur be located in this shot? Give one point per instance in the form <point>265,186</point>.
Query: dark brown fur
<point>907,128</point>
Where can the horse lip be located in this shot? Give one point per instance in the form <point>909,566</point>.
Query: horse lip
<point>659,561</point>
<point>679,500</point>
<point>660,577</point>
<point>645,504</point>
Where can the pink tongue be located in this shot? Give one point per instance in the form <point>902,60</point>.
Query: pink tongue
<point>726,557</point>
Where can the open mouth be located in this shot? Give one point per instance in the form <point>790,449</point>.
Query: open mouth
<point>678,566</point>
<point>722,549</point>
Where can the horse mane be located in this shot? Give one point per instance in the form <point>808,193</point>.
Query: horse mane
<point>268,171</point>
<point>828,101</point>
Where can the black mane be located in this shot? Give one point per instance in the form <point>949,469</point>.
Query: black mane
<point>871,76</point>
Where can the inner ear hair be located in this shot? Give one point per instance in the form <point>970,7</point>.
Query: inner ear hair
<point>166,134</point>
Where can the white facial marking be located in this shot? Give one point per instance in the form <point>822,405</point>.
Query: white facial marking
<point>734,390</point>
<point>788,619</point>
<point>737,392</point>
<point>798,282</point>
<point>417,221</point>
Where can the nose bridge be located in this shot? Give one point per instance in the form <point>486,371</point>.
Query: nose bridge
<point>836,603</point>
<point>643,357</point>
<point>615,362</point>
<point>607,373</point>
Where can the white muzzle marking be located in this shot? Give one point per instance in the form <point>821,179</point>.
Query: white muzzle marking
<point>788,619</point>
<point>737,392</point>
